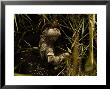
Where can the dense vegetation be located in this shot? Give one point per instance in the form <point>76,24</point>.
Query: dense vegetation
<point>78,37</point>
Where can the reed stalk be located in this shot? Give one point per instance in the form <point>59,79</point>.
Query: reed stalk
<point>90,61</point>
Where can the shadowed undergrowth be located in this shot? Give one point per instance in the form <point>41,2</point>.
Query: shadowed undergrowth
<point>78,38</point>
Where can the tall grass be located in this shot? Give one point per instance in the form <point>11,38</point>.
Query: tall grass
<point>78,38</point>
<point>90,61</point>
